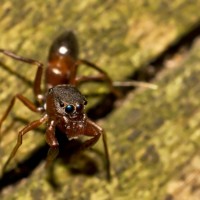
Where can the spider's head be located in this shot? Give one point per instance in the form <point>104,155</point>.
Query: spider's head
<point>65,100</point>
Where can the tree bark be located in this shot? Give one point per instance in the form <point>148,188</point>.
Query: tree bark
<point>153,135</point>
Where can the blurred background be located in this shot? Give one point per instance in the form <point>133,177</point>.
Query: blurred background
<point>153,135</point>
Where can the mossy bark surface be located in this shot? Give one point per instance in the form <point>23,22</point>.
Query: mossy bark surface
<point>153,135</point>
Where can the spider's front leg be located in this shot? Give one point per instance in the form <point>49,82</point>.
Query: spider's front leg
<point>95,131</point>
<point>29,127</point>
<point>52,142</point>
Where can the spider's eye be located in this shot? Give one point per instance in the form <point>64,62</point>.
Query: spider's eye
<point>69,109</point>
<point>85,102</point>
<point>61,104</point>
<point>79,107</point>
<point>50,90</point>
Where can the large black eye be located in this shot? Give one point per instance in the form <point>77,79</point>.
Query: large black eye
<point>79,107</point>
<point>50,90</point>
<point>69,109</point>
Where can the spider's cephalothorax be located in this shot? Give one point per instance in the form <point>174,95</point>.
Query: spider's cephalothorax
<point>65,105</point>
<point>65,100</point>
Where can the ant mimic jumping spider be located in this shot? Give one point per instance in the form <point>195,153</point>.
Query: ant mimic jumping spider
<point>61,105</point>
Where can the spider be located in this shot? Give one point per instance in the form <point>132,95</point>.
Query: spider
<point>61,105</point>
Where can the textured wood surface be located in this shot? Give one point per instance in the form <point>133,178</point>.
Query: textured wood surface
<point>153,136</point>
